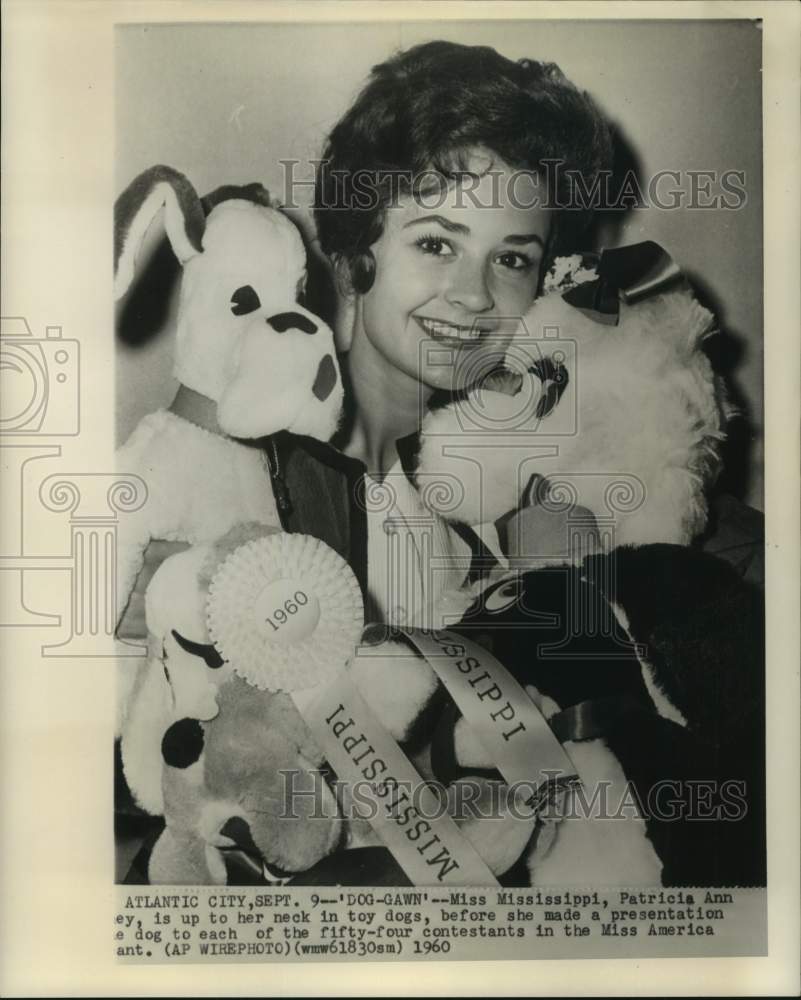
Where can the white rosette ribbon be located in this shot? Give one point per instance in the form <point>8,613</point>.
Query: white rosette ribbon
<point>285,611</point>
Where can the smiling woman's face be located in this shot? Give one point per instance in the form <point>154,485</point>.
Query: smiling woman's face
<point>453,274</point>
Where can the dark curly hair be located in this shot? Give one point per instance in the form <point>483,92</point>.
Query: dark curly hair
<point>425,109</point>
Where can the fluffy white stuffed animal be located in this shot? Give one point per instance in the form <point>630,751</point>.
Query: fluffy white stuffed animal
<point>207,749</point>
<point>621,416</point>
<point>249,359</point>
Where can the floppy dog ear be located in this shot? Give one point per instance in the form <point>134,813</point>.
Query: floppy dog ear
<point>135,209</point>
<point>255,192</point>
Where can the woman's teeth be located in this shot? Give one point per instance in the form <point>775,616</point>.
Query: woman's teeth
<point>449,331</point>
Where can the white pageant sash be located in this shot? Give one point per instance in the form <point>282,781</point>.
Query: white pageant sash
<point>407,815</point>
<point>515,734</point>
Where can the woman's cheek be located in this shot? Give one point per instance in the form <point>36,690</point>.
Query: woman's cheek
<point>516,297</point>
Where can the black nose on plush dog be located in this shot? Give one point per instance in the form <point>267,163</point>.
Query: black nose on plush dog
<point>282,322</point>
<point>325,379</point>
<point>237,829</point>
<point>244,862</point>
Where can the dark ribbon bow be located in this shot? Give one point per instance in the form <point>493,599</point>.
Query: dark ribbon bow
<point>629,273</point>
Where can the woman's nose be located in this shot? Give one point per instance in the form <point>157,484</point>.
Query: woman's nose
<point>468,287</point>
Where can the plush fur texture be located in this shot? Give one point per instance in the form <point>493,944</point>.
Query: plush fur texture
<point>591,850</point>
<point>586,848</point>
<point>199,485</point>
<point>205,749</point>
<point>137,205</point>
<point>244,266</point>
<point>259,361</point>
<point>641,407</point>
<point>243,340</point>
<point>173,683</point>
<point>232,795</point>
<point>214,810</point>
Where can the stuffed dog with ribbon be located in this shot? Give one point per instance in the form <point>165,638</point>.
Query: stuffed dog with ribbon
<point>250,360</point>
<point>217,746</point>
<point>241,774</point>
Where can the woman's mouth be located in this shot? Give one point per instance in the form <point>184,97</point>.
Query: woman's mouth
<point>451,333</point>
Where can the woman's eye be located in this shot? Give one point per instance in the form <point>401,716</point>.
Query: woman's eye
<point>515,261</point>
<point>435,245</point>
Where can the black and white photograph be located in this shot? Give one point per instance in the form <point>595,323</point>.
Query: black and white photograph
<point>423,528</point>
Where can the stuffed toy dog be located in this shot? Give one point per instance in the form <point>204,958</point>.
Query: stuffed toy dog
<point>618,410</point>
<point>210,748</point>
<point>647,663</point>
<point>220,749</point>
<point>249,359</point>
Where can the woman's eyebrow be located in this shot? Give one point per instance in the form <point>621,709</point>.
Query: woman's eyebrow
<point>452,227</point>
<point>522,239</point>
<point>516,239</point>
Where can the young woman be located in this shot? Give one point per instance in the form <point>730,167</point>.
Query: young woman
<point>435,204</point>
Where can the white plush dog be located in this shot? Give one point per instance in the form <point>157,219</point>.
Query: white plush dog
<point>249,359</point>
<point>621,418</point>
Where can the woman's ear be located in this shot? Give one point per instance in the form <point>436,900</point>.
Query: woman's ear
<point>362,272</point>
<point>345,319</point>
<point>345,322</point>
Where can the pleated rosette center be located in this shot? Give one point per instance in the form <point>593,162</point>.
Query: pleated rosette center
<point>285,611</point>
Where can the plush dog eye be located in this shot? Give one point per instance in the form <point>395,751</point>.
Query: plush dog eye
<point>244,301</point>
<point>554,378</point>
<point>502,596</point>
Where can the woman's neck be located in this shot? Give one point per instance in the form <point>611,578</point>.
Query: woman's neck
<point>387,406</point>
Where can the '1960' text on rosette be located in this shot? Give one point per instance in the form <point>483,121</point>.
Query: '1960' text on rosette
<point>286,611</point>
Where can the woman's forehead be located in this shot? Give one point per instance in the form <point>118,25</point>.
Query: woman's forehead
<point>500,201</point>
